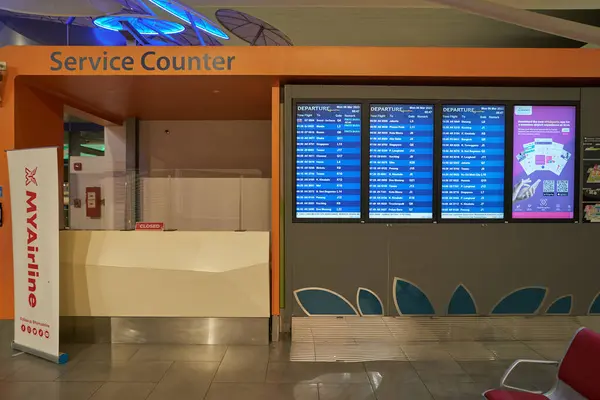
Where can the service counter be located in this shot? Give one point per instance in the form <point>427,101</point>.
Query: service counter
<point>164,274</point>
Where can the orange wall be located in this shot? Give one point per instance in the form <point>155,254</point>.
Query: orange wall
<point>38,120</point>
<point>275,199</point>
<point>29,119</point>
<point>336,61</point>
<point>33,119</point>
<point>6,142</point>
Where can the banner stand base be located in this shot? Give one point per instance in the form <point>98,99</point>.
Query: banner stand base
<point>62,358</point>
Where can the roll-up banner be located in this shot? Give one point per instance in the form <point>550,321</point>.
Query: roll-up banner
<point>34,196</point>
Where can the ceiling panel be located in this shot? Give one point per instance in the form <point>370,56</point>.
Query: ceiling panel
<point>524,4</point>
<point>328,26</point>
<point>68,8</point>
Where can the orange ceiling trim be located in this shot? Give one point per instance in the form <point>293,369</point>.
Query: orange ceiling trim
<point>78,107</point>
<point>93,117</point>
<point>288,62</point>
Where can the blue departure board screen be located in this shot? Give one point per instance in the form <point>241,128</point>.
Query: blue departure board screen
<point>473,162</point>
<point>328,161</point>
<point>401,161</point>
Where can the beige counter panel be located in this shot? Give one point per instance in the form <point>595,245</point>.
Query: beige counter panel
<point>164,274</point>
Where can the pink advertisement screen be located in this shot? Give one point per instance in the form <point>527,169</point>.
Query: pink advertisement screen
<point>544,145</point>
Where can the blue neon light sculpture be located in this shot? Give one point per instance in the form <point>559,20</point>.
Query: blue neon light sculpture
<point>190,16</point>
<point>105,30</point>
<point>143,24</point>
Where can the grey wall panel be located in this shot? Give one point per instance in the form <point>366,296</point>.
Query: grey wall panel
<point>491,261</point>
<point>496,259</point>
<point>590,119</point>
<point>590,122</point>
<point>339,257</point>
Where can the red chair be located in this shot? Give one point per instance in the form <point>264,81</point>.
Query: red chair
<point>578,373</point>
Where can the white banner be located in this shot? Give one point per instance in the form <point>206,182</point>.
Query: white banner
<point>35,214</point>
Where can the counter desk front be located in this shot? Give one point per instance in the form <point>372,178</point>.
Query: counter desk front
<point>154,274</point>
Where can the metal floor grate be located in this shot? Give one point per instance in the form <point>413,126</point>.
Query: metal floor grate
<point>358,339</point>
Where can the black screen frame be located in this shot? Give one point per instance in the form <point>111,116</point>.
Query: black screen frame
<point>330,101</point>
<point>576,159</point>
<point>507,131</point>
<point>367,158</point>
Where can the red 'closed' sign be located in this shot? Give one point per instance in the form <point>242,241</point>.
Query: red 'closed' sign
<point>149,226</point>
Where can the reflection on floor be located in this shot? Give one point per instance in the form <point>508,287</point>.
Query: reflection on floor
<point>356,339</point>
<point>420,368</point>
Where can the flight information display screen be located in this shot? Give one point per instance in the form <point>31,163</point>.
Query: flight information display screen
<point>328,144</point>
<point>473,138</point>
<point>401,161</point>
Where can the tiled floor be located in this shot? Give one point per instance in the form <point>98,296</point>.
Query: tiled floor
<point>405,369</point>
<point>153,372</point>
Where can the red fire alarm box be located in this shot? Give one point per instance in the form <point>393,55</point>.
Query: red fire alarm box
<point>93,202</point>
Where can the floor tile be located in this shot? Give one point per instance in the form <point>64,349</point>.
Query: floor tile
<point>525,377</point>
<point>103,371</point>
<point>488,372</point>
<point>36,373</point>
<point>383,371</point>
<point>110,352</point>
<point>6,351</point>
<point>467,351</point>
<point>38,370</point>
<point>441,371</point>
<point>123,391</point>
<point>358,352</point>
<point>290,351</point>
<point>352,391</point>
<point>262,391</point>
<point>47,390</point>
<point>396,380</point>
<point>443,366</point>
<point>456,390</point>
<point>180,353</point>
<point>8,366</point>
<point>185,380</point>
<point>316,373</point>
<point>425,352</point>
<point>390,390</point>
<point>243,364</point>
<point>549,350</point>
<point>511,350</point>
<point>76,351</point>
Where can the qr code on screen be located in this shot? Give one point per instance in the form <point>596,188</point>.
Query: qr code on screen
<point>549,188</point>
<point>562,186</point>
